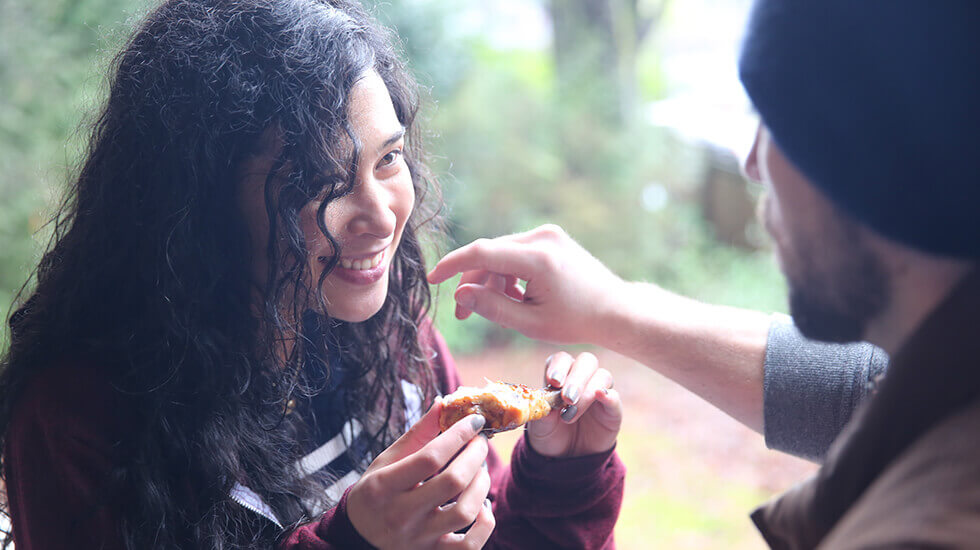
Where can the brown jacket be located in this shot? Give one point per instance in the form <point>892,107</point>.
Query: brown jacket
<point>906,472</point>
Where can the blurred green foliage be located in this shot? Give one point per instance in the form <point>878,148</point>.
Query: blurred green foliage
<point>52,54</point>
<point>512,148</point>
<point>514,152</point>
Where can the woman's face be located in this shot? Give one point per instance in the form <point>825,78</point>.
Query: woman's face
<point>367,223</point>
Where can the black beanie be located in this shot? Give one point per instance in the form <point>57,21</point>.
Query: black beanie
<point>877,102</point>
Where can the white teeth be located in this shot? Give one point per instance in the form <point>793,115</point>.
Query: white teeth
<point>362,264</point>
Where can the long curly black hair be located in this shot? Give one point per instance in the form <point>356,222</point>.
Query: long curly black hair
<point>148,273</point>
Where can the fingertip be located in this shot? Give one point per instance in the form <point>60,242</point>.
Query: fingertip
<point>436,404</point>
<point>434,276</point>
<point>477,421</point>
<point>568,413</point>
<point>609,399</point>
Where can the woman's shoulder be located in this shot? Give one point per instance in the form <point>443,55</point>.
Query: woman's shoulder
<point>69,400</point>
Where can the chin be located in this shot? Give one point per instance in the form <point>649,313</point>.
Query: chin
<point>358,313</point>
<point>356,317</point>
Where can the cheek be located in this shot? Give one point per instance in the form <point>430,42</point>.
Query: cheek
<point>404,201</point>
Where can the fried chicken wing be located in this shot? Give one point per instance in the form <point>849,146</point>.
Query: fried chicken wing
<point>505,406</point>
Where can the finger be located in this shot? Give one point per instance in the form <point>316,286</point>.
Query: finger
<point>457,515</point>
<point>455,478</point>
<point>610,404</point>
<point>507,286</point>
<point>476,536</point>
<point>497,282</point>
<point>410,470</point>
<point>479,276</point>
<point>599,382</point>
<point>497,255</point>
<point>581,371</point>
<point>432,457</point>
<point>514,289</point>
<point>420,434</point>
<point>491,305</point>
<point>556,369</point>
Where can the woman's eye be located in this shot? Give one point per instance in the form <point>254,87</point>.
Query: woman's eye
<point>390,158</point>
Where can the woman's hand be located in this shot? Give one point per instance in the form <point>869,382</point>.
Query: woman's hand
<point>591,419</point>
<point>568,294</point>
<point>426,486</point>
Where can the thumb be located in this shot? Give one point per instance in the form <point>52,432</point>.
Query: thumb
<point>493,305</point>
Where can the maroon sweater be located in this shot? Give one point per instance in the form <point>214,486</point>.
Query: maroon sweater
<point>58,454</point>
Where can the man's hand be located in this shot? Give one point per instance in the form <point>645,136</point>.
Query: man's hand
<point>567,294</point>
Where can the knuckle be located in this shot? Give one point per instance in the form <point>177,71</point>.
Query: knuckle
<point>455,481</point>
<point>464,514</point>
<point>491,521</point>
<point>429,461</point>
<point>549,260</point>
<point>588,357</point>
<point>551,231</point>
<point>371,488</point>
<point>480,245</point>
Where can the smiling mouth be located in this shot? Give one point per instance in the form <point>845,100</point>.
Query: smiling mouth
<point>362,264</point>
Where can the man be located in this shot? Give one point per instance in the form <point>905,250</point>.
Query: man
<point>870,149</point>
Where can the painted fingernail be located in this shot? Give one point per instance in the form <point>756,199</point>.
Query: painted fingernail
<point>477,421</point>
<point>568,413</point>
<point>559,378</point>
<point>486,504</point>
<point>571,393</point>
<point>484,464</point>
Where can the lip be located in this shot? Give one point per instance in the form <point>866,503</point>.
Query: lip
<point>362,276</point>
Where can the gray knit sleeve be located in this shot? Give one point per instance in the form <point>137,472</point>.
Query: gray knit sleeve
<point>811,388</point>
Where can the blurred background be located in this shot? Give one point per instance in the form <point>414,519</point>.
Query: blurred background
<point>621,120</point>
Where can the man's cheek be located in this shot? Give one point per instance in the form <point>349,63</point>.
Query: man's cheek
<point>768,214</point>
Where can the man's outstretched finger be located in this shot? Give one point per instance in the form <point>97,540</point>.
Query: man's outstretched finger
<point>498,256</point>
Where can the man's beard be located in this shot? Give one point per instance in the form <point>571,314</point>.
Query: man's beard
<point>840,286</point>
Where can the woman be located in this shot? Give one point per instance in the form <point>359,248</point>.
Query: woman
<point>228,335</point>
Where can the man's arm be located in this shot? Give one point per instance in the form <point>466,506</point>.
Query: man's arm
<point>728,356</point>
<point>812,388</point>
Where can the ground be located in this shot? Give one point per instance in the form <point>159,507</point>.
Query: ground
<point>693,473</point>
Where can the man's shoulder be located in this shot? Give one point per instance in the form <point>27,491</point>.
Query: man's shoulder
<point>928,497</point>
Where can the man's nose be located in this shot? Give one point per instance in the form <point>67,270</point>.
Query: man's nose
<point>750,166</point>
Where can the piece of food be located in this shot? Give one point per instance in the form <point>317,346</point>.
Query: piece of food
<point>505,406</point>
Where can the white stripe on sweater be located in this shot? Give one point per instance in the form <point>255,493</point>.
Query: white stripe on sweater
<point>326,453</point>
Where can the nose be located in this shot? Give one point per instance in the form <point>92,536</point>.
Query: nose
<point>372,213</point>
<point>750,167</point>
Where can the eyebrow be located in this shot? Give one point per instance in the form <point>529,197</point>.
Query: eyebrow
<point>392,139</point>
